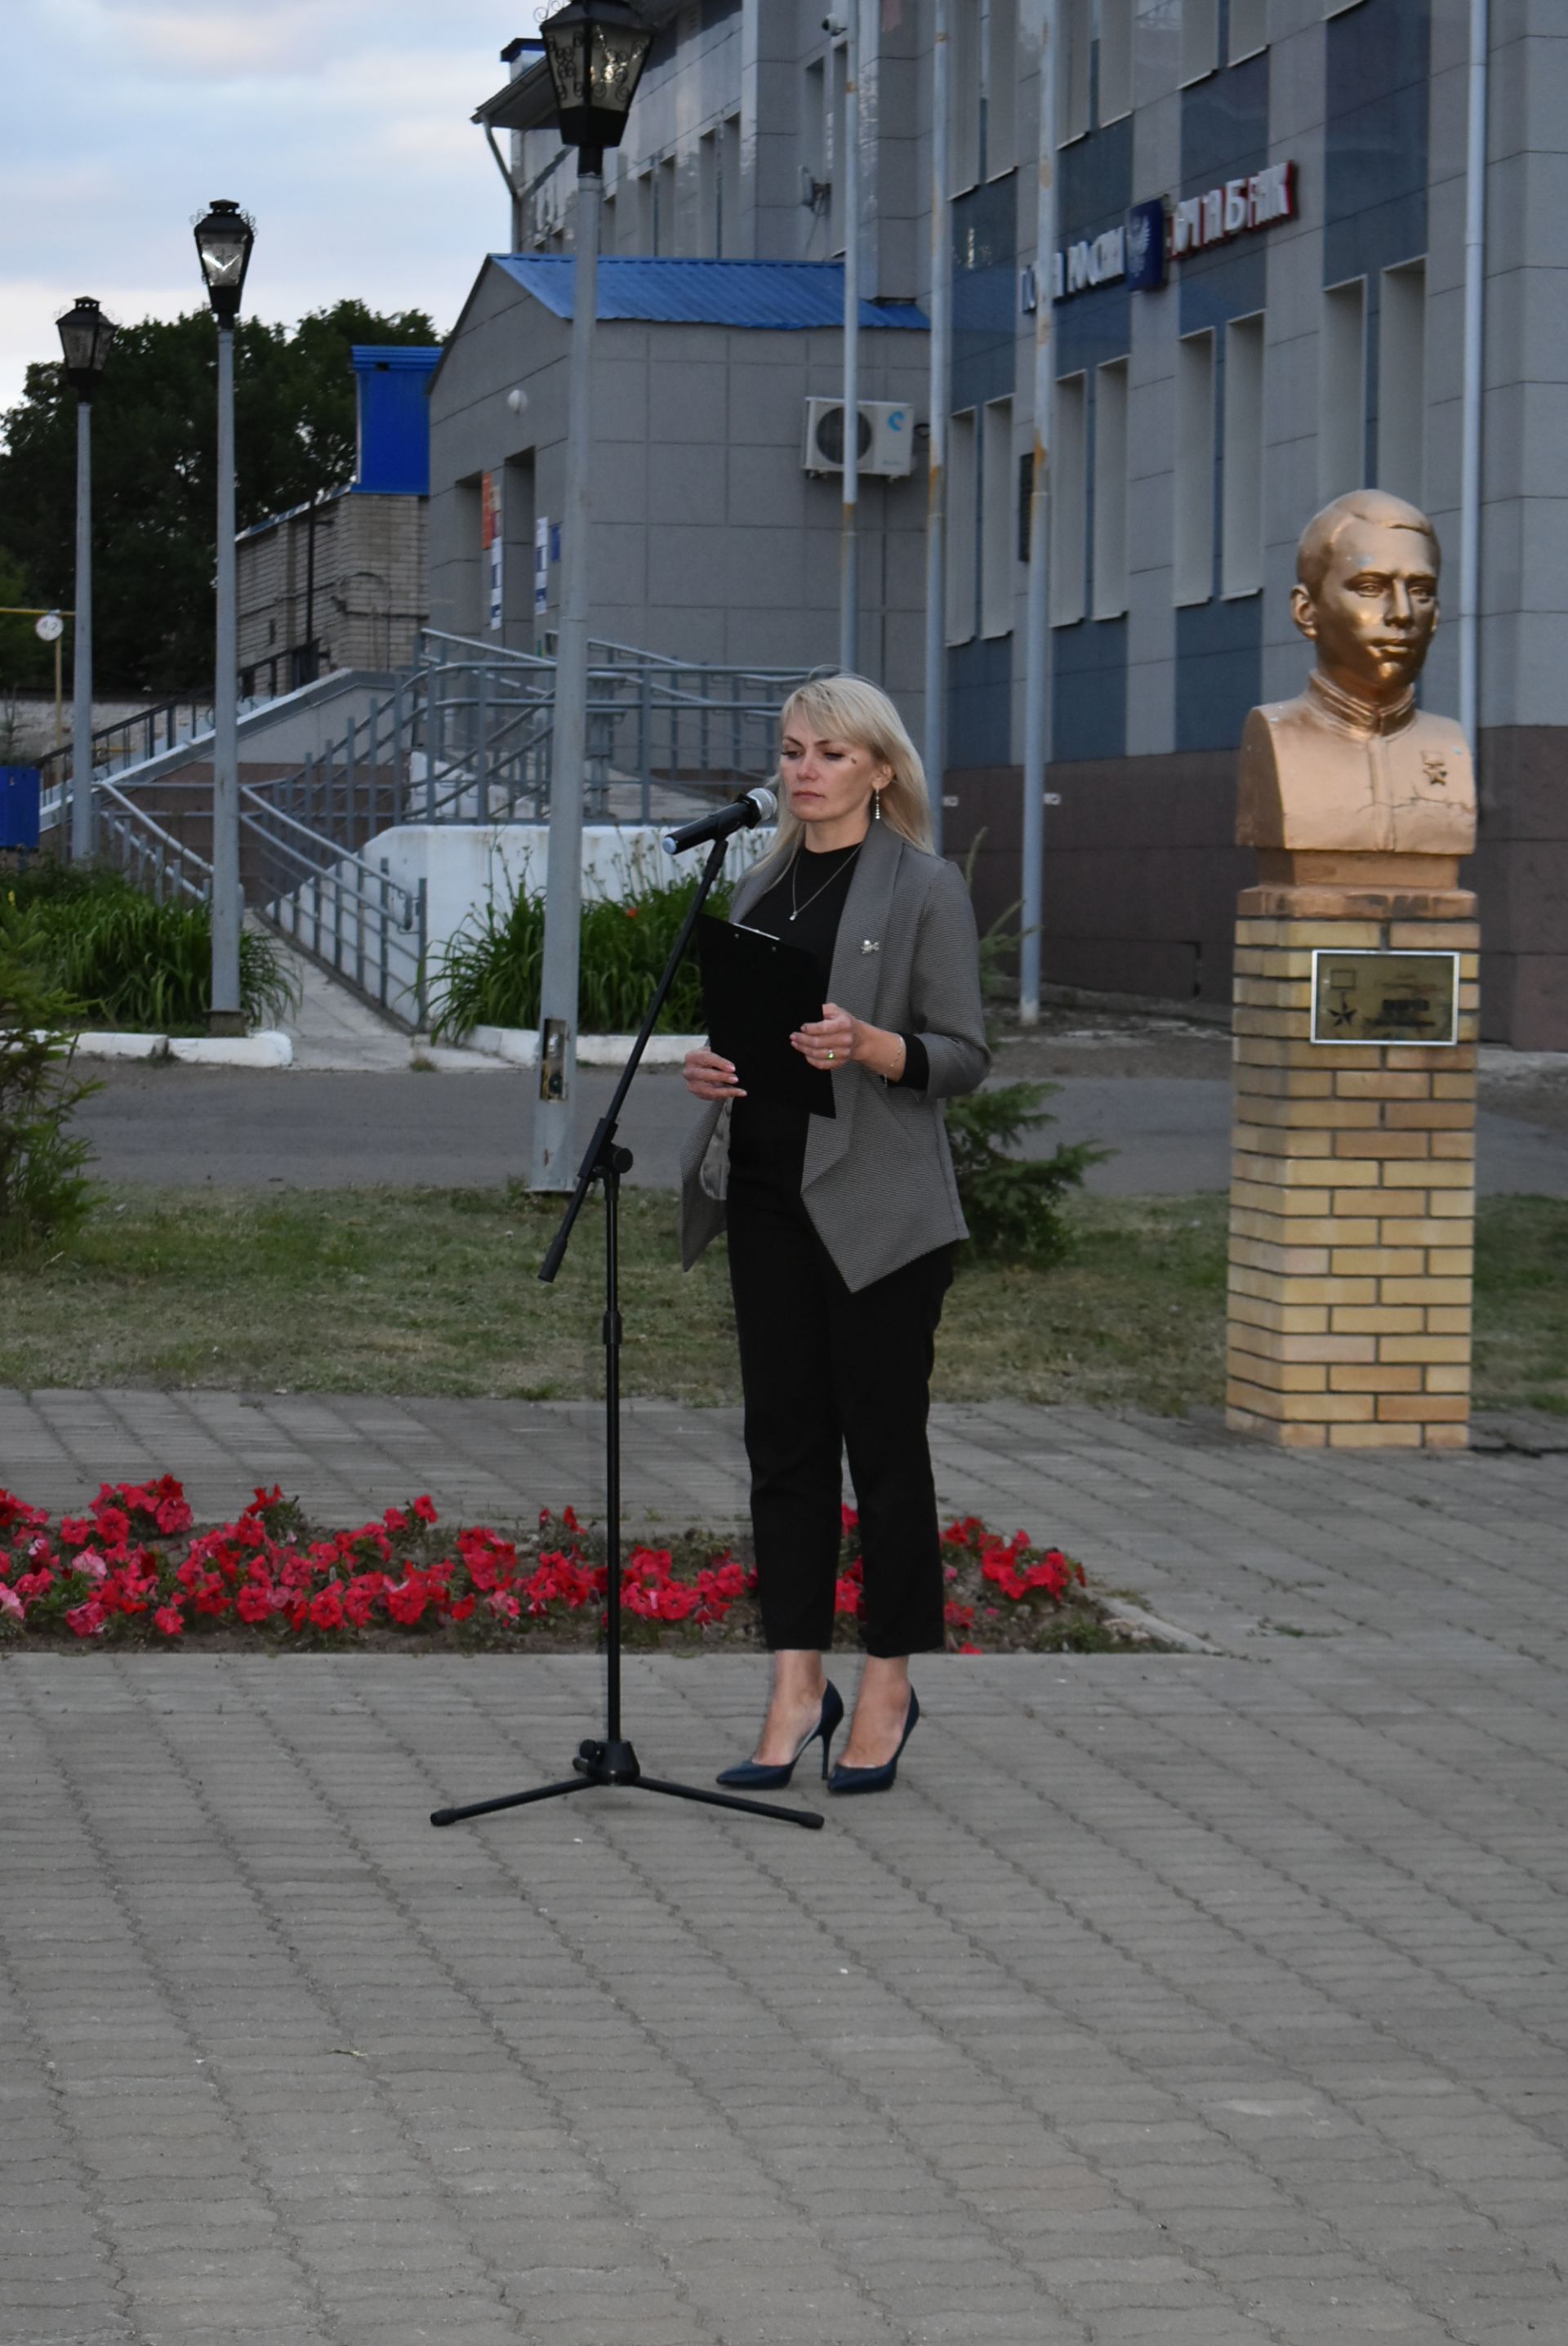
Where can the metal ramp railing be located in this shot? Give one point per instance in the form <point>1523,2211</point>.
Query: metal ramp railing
<point>357,922</point>
<point>466,737</point>
<point>183,718</point>
<point>137,844</point>
<point>352,918</point>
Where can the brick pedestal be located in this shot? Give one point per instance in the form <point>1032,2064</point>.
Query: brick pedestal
<point>1352,1190</point>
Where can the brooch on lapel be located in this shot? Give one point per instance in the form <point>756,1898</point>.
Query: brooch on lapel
<point>869,945</point>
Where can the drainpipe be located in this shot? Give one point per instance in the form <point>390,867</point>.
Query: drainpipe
<point>939,401</point>
<point>1470,442</point>
<point>1037,646</point>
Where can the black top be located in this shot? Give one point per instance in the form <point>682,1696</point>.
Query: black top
<point>803,906</point>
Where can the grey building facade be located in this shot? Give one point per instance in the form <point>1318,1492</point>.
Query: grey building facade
<point>1305,162</point>
<point>711,541</point>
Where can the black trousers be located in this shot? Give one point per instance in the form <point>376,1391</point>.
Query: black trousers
<point>824,1371</point>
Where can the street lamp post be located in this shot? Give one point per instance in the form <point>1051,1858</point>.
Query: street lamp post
<point>85,338</point>
<point>596,49</point>
<point>847,165</point>
<point>223,240</point>
<point>1037,673</point>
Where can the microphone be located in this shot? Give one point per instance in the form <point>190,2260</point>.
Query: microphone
<point>744,813</point>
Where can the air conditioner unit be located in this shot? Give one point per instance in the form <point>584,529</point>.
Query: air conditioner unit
<point>887,437</point>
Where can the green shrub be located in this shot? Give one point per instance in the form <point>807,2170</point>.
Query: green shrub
<point>489,973</point>
<point>1013,1204</point>
<point>129,961</point>
<point>42,1191</point>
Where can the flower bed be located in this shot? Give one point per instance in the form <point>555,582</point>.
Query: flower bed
<point>135,1570</point>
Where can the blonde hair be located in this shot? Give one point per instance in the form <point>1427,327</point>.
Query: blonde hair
<point>850,708</point>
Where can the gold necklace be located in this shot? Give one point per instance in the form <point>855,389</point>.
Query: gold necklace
<point>796,910</point>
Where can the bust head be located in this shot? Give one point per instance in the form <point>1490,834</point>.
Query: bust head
<point>1366,572</point>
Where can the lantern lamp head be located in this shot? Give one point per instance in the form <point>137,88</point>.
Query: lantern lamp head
<point>224,235</point>
<point>596,50</point>
<point>85,334</point>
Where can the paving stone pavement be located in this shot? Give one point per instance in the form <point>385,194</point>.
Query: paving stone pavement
<point>1169,1997</point>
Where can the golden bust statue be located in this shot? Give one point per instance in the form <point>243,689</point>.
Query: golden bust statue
<point>1351,766</point>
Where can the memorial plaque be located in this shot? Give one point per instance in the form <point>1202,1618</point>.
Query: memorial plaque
<point>1378,997</point>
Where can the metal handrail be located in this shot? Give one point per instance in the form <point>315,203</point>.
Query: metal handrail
<point>150,855</point>
<point>467,737</point>
<point>179,722</point>
<point>361,925</point>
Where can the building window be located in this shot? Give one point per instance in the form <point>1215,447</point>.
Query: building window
<point>728,246</point>
<point>1069,502</point>
<point>1000,123</point>
<point>1075,33</point>
<point>1241,492</point>
<point>642,217</point>
<point>814,144</point>
<point>839,132</point>
<point>965,50</point>
<point>1342,389</point>
<point>1249,29</point>
<point>998,530</point>
<point>664,242</point>
<point>1199,39</point>
<point>962,526</point>
<point>1110,566</point>
<point>1191,555</point>
<point>1402,383</point>
<point>1116,59</point>
<point>708,225</point>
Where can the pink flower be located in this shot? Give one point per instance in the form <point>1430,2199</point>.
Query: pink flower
<point>89,1620</point>
<point>10,1603</point>
<point>504,1604</point>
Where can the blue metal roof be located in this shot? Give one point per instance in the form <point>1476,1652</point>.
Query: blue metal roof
<point>788,294</point>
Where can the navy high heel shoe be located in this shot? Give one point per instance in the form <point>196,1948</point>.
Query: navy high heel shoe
<point>876,1779</point>
<point>756,1776</point>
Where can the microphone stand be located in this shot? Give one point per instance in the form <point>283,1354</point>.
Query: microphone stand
<point>612,1760</point>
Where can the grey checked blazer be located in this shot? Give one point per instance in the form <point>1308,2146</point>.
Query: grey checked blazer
<point>879,1183</point>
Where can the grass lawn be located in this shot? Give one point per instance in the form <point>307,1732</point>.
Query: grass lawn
<point>433,1291</point>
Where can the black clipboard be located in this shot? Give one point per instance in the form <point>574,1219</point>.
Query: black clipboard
<point>757,992</point>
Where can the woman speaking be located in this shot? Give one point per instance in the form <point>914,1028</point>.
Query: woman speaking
<point>842,1229</point>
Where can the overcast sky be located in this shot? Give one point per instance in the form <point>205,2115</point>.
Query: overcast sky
<point>342,126</point>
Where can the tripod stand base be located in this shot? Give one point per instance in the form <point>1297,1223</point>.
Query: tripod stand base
<point>618,1763</point>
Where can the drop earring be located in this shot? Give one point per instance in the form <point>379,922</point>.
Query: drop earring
<point>876,806</point>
